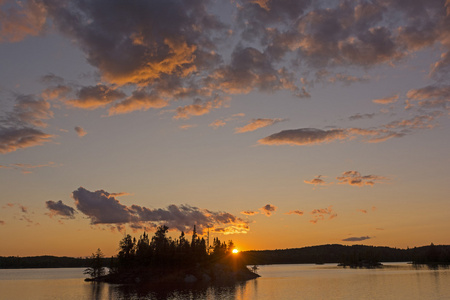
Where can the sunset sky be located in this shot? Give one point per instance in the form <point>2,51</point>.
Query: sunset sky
<point>277,124</point>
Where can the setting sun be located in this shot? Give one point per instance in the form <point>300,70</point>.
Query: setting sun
<point>235,251</point>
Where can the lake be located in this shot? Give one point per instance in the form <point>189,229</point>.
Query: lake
<point>394,281</point>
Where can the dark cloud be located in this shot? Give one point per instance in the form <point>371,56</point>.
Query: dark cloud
<point>304,136</point>
<point>92,97</point>
<point>141,41</point>
<point>12,139</point>
<point>361,116</point>
<point>356,239</point>
<point>60,209</point>
<point>2,222</point>
<point>17,128</point>
<point>249,212</point>
<point>103,208</point>
<point>268,209</point>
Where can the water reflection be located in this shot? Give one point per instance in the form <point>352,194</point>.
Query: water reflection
<point>150,292</point>
<point>394,281</point>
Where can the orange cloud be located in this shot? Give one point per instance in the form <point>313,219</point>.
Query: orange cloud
<point>139,100</point>
<point>387,100</point>
<point>257,124</point>
<point>322,213</point>
<point>295,212</point>
<point>21,19</point>
<point>217,123</point>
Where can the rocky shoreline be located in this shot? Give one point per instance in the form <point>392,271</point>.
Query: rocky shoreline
<point>216,274</point>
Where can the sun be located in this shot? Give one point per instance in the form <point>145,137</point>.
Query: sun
<point>235,251</point>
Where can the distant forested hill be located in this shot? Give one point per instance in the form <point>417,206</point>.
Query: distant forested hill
<point>14,262</point>
<point>315,254</point>
<point>347,254</point>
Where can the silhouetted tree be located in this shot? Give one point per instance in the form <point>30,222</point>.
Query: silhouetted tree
<point>96,268</point>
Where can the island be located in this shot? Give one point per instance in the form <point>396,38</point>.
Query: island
<point>162,260</point>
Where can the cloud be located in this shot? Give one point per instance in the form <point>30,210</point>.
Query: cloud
<point>60,209</point>
<point>2,222</point>
<point>187,126</point>
<point>80,131</point>
<point>362,211</point>
<point>217,123</point>
<point>382,133</point>
<point>249,212</point>
<point>255,124</point>
<point>92,97</point>
<point>159,38</point>
<point>322,214</point>
<point>12,139</point>
<point>386,100</point>
<point>361,116</point>
<point>432,96</point>
<point>316,181</point>
<point>103,208</point>
<point>20,19</point>
<point>295,212</point>
<point>17,128</point>
<point>304,136</point>
<point>268,209</point>
<point>356,239</point>
<point>29,111</point>
<point>356,179</point>
<point>24,209</point>
<point>26,168</point>
<point>139,100</point>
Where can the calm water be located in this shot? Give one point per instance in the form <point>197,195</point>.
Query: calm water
<point>394,281</point>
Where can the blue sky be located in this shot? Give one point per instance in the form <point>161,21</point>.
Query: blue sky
<point>277,124</point>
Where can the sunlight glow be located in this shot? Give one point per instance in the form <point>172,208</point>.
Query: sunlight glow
<point>235,251</point>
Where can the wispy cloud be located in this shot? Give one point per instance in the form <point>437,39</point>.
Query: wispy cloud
<point>27,168</point>
<point>386,100</point>
<point>316,181</point>
<point>356,179</point>
<point>257,124</point>
<point>249,212</point>
<point>295,212</point>
<point>322,214</point>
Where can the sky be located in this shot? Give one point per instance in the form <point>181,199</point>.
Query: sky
<point>275,124</point>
